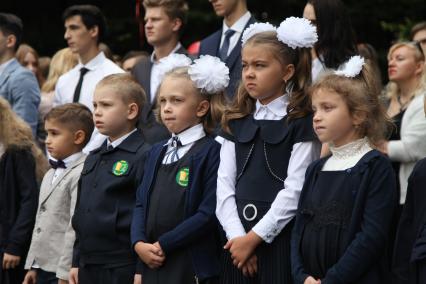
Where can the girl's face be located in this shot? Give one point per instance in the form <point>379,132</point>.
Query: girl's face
<point>332,120</point>
<point>263,75</point>
<point>30,62</point>
<point>181,106</point>
<point>402,65</point>
<point>309,13</point>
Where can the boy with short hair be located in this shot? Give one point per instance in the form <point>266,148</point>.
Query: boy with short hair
<point>49,258</point>
<point>107,187</point>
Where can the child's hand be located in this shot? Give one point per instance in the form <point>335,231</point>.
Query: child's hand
<point>62,281</point>
<point>150,254</point>
<point>137,279</point>
<point>161,253</point>
<point>311,280</point>
<point>10,261</point>
<point>250,268</point>
<point>73,275</point>
<point>241,248</point>
<point>30,277</point>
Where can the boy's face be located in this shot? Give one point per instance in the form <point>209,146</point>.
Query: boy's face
<point>223,8</point>
<point>113,117</point>
<point>78,37</point>
<point>159,27</point>
<point>181,107</point>
<point>61,141</point>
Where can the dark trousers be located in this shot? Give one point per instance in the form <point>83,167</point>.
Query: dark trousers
<point>106,274</point>
<point>45,277</point>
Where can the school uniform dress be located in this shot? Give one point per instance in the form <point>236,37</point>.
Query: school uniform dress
<point>103,213</point>
<point>344,216</point>
<point>409,261</point>
<point>175,206</point>
<point>260,176</point>
<point>53,237</point>
<point>18,207</point>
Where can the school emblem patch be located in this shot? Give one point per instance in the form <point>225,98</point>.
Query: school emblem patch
<point>182,177</point>
<point>120,168</point>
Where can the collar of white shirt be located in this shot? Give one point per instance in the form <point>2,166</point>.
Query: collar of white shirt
<point>189,135</point>
<point>153,59</point>
<point>94,63</point>
<point>277,107</point>
<point>4,65</point>
<point>239,25</point>
<point>119,140</point>
<point>70,159</point>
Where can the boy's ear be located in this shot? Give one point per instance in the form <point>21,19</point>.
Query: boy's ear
<point>94,31</point>
<point>11,41</point>
<point>79,137</point>
<point>177,24</point>
<point>203,108</point>
<point>132,111</point>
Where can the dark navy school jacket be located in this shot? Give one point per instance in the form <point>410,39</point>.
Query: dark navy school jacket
<point>364,260</point>
<point>198,232</point>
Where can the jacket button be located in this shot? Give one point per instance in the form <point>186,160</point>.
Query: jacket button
<point>42,208</point>
<point>38,230</point>
<point>95,184</point>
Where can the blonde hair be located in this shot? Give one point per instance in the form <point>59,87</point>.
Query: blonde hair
<point>361,96</point>
<point>63,61</point>
<point>217,101</point>
<point>14,132</point>
<point>299,105</point>
<point>392,89</point>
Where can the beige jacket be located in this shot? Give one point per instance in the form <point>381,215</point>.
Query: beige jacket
<point>53,237</point>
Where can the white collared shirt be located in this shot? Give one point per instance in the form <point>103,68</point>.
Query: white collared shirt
<point>120,140</point>
<point>284,207</point>
<point>99,67</point>
<point>155,80</point>
<point>187,138</point>
<point>67,161</point>
<point>4,65</point>
<point>238,27</point>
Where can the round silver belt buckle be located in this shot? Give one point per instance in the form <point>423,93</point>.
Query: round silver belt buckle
<point>250,205</point>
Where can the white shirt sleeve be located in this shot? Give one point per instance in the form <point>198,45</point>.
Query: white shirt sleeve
<point>284,207</point>
<point>226,206</point>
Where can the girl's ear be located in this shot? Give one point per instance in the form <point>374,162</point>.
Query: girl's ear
<point>358,118</point>
<point>79,137</point>
<point>133,111</point>
<point>203,108</point>
<point>288,72</point>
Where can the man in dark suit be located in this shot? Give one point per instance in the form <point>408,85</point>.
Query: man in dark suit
<point>164,21</point>
<point>226,42</point>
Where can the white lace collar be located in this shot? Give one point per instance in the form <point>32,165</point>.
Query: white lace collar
<point>352,149</point>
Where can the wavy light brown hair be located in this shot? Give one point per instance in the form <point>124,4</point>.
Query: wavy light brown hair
<point>217,101</point>
<point>14,132</point>
<point>361,96</point>
<point>63,61</point>
<point>299,104</point>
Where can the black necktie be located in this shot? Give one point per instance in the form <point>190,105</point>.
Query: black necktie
<point>77,91</point>
<point>172,155</point>
<point>223,52</point>
<point>57,164</point>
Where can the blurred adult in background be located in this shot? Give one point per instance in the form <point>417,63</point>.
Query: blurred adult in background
<point>225,43</point>
<point>164,22</point>
<point>418,33</point>
<point>336,39</point>
<point>405,92</point>
<point>28,57</point>
<point>85,28</point>
<point>62,61</point>
<point>17,84</point>
<point>131,58</point>
<point>43,66</point>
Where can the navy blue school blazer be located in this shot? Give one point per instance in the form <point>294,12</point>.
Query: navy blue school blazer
<point>365,260</point>
<point>210,46</point>
<point>199,231</point>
